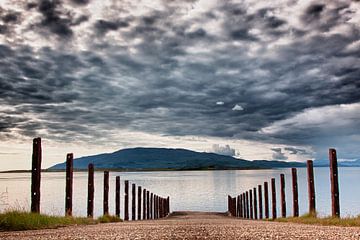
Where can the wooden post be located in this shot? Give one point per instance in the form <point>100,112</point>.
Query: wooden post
<point>295,192</point>
<point>251,204</point>
<point>117,197</point>
<point>139,203</point>
<point>283,199</point>
<point>335,202</point>
<point>69,184</point>
<point>266,199</point>
<point>247,205</point>
<point>229,204</point>
<point>144,203</point>
<point>147,205</point>
<point>238,206</point>
<point>126,199</point>
<point>244,205</point>
<point>273,194</point>
<point>151,205</point>
<point>90,203</point>
<point>160,208</point>
<point>234,206</point>
<point>311,187</point>
<point>168,205</point>
<point>106,193</point>
<point>36,175</point>
<point>155,209</point>
<point>255,204</point>
<point>260,202</point>
<point>133,202</point>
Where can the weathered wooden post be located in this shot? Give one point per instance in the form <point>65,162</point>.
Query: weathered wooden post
<point>283,199</point>
<point>106,193</point>
<point>90,203</point>
<point>251,204</point>
<point>238,206</point>
<point>229,204</point>
<point>139,203</point>
<point>266,199</point>
<point>234,206</point>
<point>147,205</point>
<point>273,194</point>
<point>255,204</point>
<point>260,202</point>
<point>151,205</point>
<point>168,205</point>
<point>244,204</point>
<point>311,187</point>
<point>133,202</point>
<point>36,175</point>
<point>69,184</point>
<point>247,205</point>
<point>144,203</point>
<point>155,207</point>
<point>117,196</point>
<point>126,199</point>
<point>295,192</point>
<point>335,202</point>
<point>160,208</point>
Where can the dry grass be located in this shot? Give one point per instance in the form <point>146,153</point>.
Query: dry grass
<point>325,221</point>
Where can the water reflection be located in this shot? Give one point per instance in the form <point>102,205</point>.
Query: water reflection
<point>189,190</point>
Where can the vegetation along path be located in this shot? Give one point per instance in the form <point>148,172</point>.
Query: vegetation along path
<point>192,225</point>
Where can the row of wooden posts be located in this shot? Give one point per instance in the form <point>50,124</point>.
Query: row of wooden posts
<point>148,206</point>
<point>249,204</point>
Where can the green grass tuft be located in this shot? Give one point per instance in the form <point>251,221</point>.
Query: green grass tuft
<point>109,219</point>
<point>19,220</point>
<point>326,221</point>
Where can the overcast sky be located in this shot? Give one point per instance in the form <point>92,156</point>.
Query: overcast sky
<point>253,79</point>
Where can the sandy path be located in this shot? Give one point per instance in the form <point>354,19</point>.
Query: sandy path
<point>191,225</point>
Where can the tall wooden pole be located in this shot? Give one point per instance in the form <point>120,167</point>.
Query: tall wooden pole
<point>90,203</point>
<point>251,204</point>
<point>311,187</point>
<point>283,198</point>
<point>106,193</point>
<point>295,192</point>
<point>247,205</point>
<point>260,202</point>
<point>117,196</point>
<point>273,195</point>
<point>139,202</point>
<point>36,175</point>
<point>144,204</point>
<point>255,204</point>
<point>335,202</point>
<point>126,199</point>
<point>133,202</point>
<point>266,199</point>
<point>69,184</point>
<point>151,205</point>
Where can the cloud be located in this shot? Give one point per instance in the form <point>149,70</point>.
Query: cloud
<point>237,108</point>
<point>295,150</point>
<point>223,150</point>
<point>278,154</point>
<point>157,69</point>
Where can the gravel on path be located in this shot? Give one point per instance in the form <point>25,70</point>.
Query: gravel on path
<point>192,225</point>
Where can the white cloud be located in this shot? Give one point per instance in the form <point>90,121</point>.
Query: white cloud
<point>223,150</point>
<point>220,103</point>
<point>237,108</point>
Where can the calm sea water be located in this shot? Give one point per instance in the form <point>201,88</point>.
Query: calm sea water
<point>188,190</point>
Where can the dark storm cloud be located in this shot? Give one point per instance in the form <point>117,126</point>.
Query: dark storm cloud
<point>278,154</point>
<point>163,72</point>
<point>81,2</point>
<point>103,26</point>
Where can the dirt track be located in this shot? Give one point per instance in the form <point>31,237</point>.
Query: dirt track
<point>191,225</point>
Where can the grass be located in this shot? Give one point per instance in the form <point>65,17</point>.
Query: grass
<point>108,219</point>
<point>326,221</point>
<point>21,220</point>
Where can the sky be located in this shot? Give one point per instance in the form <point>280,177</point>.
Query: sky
<point>251,79</point>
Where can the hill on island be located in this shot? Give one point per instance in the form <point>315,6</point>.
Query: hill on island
<point>169,159</point>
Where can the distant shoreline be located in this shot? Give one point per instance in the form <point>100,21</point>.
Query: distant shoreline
<point>158,170</point>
